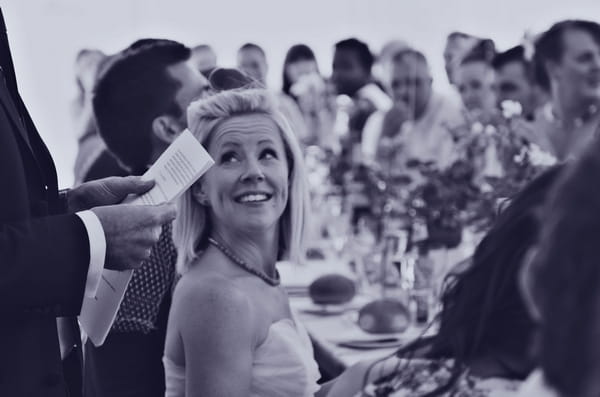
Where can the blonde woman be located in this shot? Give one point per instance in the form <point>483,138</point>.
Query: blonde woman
<point>231,331</point>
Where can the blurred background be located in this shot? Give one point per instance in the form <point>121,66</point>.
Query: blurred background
<point>46,35</point>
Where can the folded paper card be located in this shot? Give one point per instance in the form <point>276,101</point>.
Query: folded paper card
<point>184,161</point>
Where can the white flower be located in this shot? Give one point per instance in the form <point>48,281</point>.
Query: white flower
<point>308,83</point>
<point>477,127</point>
<point>490,129</point>
<point>511,109</point>
<point>539,157</point>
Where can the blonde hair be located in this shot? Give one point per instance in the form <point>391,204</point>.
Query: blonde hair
<point>192,228</point>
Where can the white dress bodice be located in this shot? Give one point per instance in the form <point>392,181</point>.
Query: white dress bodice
<point>283,365</point>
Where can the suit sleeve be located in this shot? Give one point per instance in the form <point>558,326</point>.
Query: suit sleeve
<point>43,265</point>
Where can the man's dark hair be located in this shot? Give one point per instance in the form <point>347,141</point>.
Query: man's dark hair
<point>364,55</point>
<point>549,47</point>
<point>252,46</point>
<point>483,51</point>
<point>409,52</point>
<point>458,35</point>
<point>133,90</point>
<point>514,54</point>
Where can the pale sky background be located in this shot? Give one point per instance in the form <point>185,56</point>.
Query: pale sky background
<point>45,36</point>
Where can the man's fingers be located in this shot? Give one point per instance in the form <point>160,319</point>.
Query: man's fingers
<point>120,187</point>
<point>165,213</point>
<point>140,186</point>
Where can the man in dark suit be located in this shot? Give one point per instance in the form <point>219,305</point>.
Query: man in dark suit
<point>52,248</point>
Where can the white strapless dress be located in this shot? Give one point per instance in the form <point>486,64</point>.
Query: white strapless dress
<point>283,365</point>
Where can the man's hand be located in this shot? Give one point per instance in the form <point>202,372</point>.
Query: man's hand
<point>131,231</point>
<point>393,120</point>
<point>107,191</point>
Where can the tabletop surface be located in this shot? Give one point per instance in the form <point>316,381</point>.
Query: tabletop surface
<point>331,325</point>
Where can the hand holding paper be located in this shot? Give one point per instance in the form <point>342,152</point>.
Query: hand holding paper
<point>184,161</point>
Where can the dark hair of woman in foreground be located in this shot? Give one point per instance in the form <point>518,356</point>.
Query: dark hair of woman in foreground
<point>484,323</point>
<point>565,278</point>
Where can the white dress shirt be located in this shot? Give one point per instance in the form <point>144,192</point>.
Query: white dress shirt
<point>97,251</point>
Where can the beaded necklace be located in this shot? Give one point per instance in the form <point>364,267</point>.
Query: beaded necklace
<point>273,281</point>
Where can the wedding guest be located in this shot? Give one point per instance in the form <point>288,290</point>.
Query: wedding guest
<point>515,81</point>
<point>252,60</point>
<point>419,120</point>
<point>475,81</point>
<point>567,64</point>
<point>485,330</point>
<point>384,61</point>
<point>92,160</point>
<point>560,285</point>
<point>352,66</point>
<point>204,58</point>
<point>231,331</point>
<point>458,45</point>
<point>140,103</point>
<point>53,247</point>
<point>303,83</point>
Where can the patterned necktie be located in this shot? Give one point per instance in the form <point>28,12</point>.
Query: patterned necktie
<point>147,289</point>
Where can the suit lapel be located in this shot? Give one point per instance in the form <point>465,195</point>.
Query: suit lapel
<point>11,109</point>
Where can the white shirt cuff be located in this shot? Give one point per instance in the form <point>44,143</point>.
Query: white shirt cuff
<point>97,251</point>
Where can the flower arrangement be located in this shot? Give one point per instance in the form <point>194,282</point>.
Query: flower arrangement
<point>494,160</point>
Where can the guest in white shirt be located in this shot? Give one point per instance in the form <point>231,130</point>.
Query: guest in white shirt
<point>567,62</point>
<point>419,121</point>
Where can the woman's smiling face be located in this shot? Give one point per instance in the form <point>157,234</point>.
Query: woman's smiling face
<point>247,188</point>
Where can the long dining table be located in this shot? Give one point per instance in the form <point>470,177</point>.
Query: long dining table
<point>338,340</point>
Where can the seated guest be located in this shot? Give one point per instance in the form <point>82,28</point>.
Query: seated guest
<point>252,60</point>
<point>458,45</point>
<point>204,58</point>
<point>515,81</point>
<point>475,83</point>
<point>484,327</point>
<point>560,284</point>
<point>567,64</point>
<point>93,161</point>
<point>352,76</point>
<point>231,331</point>
<point>419,120</point>
<point>140,103</point>
<point>383,63</point>
<point>303,83</point>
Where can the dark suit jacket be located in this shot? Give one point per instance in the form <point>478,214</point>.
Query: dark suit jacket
<point>44,255</point>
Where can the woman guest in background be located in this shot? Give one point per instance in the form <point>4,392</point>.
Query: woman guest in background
<point>303,83</point>
<point>231,331</point>
<point>474,79</point>
<point>482,346</point>
<point>560,284</point>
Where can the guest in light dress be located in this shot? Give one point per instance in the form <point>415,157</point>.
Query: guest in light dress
<point>231,331</point>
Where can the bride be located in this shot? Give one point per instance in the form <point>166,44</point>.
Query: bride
<point>231,331</point>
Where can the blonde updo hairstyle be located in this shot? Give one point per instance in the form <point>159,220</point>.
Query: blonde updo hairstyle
<point>192,226</point>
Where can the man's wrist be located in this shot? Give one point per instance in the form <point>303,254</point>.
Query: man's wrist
<point>73,199</point>
<point>63,199</point>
